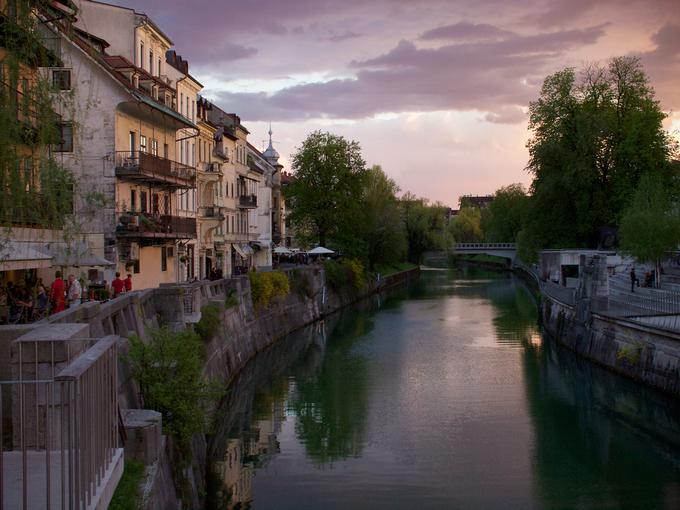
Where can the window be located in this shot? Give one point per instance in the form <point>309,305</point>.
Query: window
<point>165,150</point>
<point>154,147</point>
<point>133,200</point>
<point>136,266</point>
<point>155,204</point>
<point>166,204</point>
<point>143,201</point>
<point>65,137</point>
<point>28,174</point>
<point>181,101</point>
<point>150,61</point>
<point>193,109</point>
<point>142,143</point>
<point>133,141</point>
<point>61,79</point>
<point>141,54</point>
<point>164,258</point>
<point>159,67</point>
<point>187,110</point>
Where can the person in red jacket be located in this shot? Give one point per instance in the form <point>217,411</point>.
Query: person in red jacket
<point>118,286</point>
<point>57,292</point>
<point>128,283</point>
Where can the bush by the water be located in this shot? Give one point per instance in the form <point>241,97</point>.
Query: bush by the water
<point>168,368</point>
<point>300,284</point>
<point>266,286</point>
<point>346,274</point>
<point>210,321</point>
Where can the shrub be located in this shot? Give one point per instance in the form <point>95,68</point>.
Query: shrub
<point>210,321</point>
<point>231,300</point>
<point>355,272</point>
<point>265,286</point>
<point>168,369</point>
<point>346,274</point>
<point>300,284</point>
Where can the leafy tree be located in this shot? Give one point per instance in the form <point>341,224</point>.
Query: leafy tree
<point>385,233</point>
<point>326,195</point>
<point>593,138</point>
<point>650,225</point>
<point>503,218</point>
<point>425,226</point>
<point>466,226</point>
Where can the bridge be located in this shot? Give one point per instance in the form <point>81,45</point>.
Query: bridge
<point>505,250</point>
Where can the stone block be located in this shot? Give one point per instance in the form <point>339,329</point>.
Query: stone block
<point>143,430</point>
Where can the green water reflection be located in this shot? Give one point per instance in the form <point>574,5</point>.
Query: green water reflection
<point>442,395</point>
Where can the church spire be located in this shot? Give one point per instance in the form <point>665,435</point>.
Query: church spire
<point>270,154</point>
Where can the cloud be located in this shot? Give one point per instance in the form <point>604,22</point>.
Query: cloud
<point>663,64</point>
<point>465,30</point>
<point>343,36</point>
<point>488,76</point>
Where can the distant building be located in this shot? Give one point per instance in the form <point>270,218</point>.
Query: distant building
<point>478,201</point>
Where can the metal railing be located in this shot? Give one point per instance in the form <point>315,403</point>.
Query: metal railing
<point>212,211</point>
<point>247,201</point>
<point>142,165</point>
<point>155,225</point>
<point>484,246</point>
<point>559,293</point>
<point>59,428</point>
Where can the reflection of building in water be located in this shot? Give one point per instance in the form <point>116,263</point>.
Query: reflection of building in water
<point>237,476</point>
<point>260,439</point>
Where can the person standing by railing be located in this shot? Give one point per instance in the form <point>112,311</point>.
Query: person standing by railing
<point>75,291</point>
<point>57,293</point>
<point>128,283</point>
<point>118,286</point>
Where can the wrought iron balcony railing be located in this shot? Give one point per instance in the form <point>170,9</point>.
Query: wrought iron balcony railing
<point>142,166</point>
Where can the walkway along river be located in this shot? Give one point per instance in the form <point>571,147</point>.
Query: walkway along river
<point>442,395</point>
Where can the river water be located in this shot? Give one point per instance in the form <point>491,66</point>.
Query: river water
<point>442,395</point>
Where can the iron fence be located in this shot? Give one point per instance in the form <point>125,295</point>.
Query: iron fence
<point>59,428</point>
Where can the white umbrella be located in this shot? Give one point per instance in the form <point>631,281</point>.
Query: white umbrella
<point>320,250</point>
<point>282,250</point>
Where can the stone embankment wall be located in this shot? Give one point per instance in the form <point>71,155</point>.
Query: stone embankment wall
<point>645,354</point>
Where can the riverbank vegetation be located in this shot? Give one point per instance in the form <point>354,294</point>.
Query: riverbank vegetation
<point>266,286</point>
<point>597,139</point>
<point>338,202</point>
<point>168,369</point>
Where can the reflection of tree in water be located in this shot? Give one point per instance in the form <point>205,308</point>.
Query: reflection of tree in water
<point>517,315</point>
<point>331,405</point>
<point>600,440</point>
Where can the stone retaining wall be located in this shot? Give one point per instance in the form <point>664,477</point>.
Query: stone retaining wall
<point>645,354</point>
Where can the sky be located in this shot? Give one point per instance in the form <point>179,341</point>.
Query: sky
<point>435,91</point>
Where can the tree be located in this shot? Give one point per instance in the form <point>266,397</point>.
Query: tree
<point>326,194</point>
<point>425,226</point>
<point>385,232</point>
<point>650,225</point>
<point>466,226</point>
<point>502,220</point>
<point>593,138</point>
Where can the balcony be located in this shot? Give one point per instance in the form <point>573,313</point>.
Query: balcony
<point>212,212</point>
<point>247,201</point>
<point>209,172</point>
<point>221,152</point>
<point>155,226</point>
<point>144,167</point>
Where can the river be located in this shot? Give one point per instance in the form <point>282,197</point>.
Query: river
<point>442,395</point>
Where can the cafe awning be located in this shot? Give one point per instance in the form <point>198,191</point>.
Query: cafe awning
<point>76,254</point>
<point>17,255</point>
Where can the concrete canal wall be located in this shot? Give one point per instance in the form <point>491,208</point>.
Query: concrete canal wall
<point>585,322</point>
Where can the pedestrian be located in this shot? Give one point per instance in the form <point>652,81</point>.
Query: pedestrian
<point>633,279</point>
<point>75,291</point>
<point>128,283</point>
<point>57,293</point>
<point>42,301</point>
<point>118,286</point>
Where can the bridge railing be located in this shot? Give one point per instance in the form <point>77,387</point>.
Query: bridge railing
<point>485,246</point>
